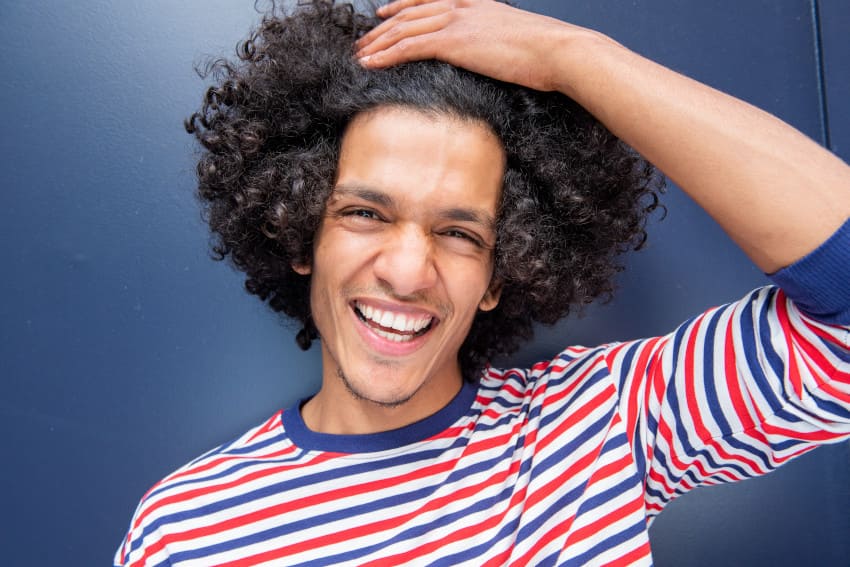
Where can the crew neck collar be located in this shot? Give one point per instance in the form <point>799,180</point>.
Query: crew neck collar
<point>304,438</point>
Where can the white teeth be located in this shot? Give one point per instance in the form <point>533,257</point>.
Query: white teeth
<point>386,319</point>
<point>396,321</point>
<point>393,336</point>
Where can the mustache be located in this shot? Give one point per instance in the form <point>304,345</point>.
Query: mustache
<point>385,292</point>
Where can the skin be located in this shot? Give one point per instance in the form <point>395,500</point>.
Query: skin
<point>409,229</point>
<point>777,193</point>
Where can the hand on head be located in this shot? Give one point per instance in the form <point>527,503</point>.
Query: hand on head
<point>484,36</point>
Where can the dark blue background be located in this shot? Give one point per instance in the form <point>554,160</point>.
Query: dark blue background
<point>125,351</point>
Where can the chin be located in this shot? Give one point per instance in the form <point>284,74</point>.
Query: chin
<point>384,397</point>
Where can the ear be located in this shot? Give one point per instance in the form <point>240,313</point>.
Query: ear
<point>303,269</point>
<point>491,297</point>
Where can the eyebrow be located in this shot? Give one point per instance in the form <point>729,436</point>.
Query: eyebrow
<point>365,193</point>
<point>470,215</point>
<point>459,214</point>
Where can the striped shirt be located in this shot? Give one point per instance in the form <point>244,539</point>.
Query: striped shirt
<point>564,463</point>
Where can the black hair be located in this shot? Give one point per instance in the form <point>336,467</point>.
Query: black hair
<point>574,196</point>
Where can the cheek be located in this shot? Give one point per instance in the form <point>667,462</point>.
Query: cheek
<point>335,253</point>
<point>467,284</point>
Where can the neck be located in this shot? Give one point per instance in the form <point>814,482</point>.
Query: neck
<point>337,410</point>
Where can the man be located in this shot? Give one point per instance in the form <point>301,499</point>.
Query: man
<point>417,218</point>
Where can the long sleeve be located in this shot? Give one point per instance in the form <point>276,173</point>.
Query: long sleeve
<point>743,388</point>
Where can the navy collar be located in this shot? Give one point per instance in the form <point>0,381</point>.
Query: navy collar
<point>297,431</point>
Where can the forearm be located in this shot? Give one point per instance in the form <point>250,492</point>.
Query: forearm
<point>775,192</point>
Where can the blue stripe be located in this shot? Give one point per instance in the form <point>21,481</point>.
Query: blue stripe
<point>238,466</point>
<point>423,494</point>
<point>628,361</point>
<point>566,403</point>
<point>680,430</point>
<point>605,497</point>
<point>727,431</point>
<point>411,535</point>
<point>609,542</point>
<point>296,482</point>
<point>836,409</point>
<point>561,459</point>
<point>763,312</point>
<point>708,372</point>
<point>751,351</point>
<point>638,450</point>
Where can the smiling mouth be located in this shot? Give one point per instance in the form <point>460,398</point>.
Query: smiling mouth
<point>397,327</point>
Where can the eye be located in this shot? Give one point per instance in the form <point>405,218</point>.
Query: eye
<point>360,213</point>
<point>462,235</point>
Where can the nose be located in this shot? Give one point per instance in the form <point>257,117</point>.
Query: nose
<point>405,263</point>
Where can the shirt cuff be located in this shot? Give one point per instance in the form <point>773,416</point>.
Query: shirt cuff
<point>819,283</point>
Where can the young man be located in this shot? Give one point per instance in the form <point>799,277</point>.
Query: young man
<point>418,218</point>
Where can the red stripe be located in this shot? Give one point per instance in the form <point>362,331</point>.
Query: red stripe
<point>154,548</point>
<point>736,396</point>
<point>634,556</point>
<point>818,358</point>
<point>655,369</point>
<point>546,490</point>
<point>463,533</point>
<point>818,436</point>
<point>637,383</point>
<point>209,465</point>
<point>695,412</point>
<point>733,385</point>
<point>203,490</point>
<point>323,497</point>
<point>792,372</point>
<point>573,470</point>
<point>267,426</point>
<point>634,506</point>
<point>453,432</point>
<point>598,401</point>
<point>501,558</point>
<point>695,464</point>
<point>507,387</point>
<point>375,527</point>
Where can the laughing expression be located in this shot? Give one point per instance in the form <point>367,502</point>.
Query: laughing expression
<point>403,261</point>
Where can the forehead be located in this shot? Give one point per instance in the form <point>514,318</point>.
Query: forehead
<point>426,159</point>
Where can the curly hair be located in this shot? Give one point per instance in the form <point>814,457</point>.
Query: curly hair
<point>574,196</point>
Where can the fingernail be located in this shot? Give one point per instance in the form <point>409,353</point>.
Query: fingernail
<point>365,59</point>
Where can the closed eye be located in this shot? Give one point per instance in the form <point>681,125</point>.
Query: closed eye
<point>464,236</point>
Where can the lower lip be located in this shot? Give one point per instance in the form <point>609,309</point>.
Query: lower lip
<point>384,346</point>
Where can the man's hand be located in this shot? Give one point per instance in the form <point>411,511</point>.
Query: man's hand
<point>772,189</point>
<point>487,37</point>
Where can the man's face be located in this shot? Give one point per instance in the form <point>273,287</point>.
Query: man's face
<point>404,255</point>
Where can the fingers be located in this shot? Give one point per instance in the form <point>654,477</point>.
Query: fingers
<point>415,48</point>
<point>398,42</point>
<point>402,23</point>
<point>393,8</point>
<point>486,37</point>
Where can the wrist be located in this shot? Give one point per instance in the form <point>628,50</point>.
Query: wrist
<point>579,60</point>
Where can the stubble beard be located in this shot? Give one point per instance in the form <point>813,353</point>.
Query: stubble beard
<point>360,396</point>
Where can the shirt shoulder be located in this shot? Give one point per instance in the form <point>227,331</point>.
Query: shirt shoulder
<point>204,481</point>
<point>574,368</point>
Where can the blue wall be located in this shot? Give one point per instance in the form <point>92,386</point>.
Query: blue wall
<point>125,351</point>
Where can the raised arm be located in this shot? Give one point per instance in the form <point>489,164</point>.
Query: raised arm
<point>777,193</point>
